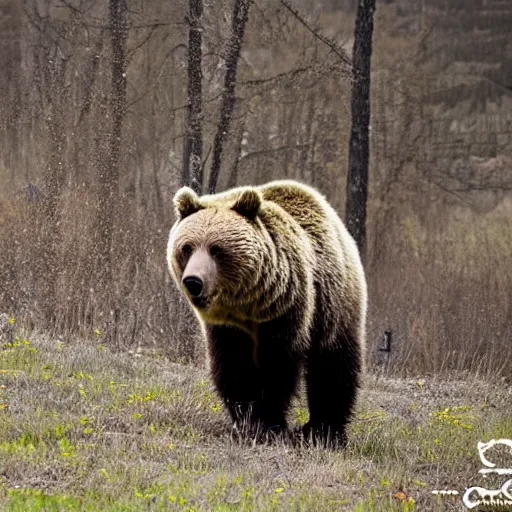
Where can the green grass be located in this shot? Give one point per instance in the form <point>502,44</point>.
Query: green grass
<point>85,429</point>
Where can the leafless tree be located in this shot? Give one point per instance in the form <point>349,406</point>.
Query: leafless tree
<point>238,22</point>
<point>53,92</point>
<point>359,149</point>
<point>192,172</point>
<point>108,177</point>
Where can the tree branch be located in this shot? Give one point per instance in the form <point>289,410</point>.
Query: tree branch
<point>331,44</point>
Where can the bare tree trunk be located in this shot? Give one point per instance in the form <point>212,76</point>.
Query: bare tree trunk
<point>11,84</point>
<point>240,17</point>
<point>233,174</point>
<point>52,236</point>
<point>109,165</point>
<point>192,173</point>
<point>307,161</point>
<point>54,95</point>
<point>359,150</point>
<point>83,122</point>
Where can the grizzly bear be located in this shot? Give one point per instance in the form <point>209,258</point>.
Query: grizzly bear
<point>277,284</point>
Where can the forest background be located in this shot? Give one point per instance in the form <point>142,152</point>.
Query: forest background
<point>85,207</point>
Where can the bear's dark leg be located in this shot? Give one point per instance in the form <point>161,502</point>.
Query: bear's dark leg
<point>235,374</point>
<point>332,378</point>
<point>280,368</point>
<point>279,375</point>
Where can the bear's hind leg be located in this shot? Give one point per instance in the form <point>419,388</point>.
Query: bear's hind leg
<point>235,374</point>
<point>332,379</point>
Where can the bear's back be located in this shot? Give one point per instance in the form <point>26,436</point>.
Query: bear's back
<point>309,209</point>
<point>336,251</point>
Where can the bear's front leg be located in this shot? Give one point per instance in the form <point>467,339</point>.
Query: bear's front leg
<point>279,362</point>
<point>235,375</point>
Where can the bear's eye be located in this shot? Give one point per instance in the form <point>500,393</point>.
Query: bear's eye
<point>215,250</point>
<point>186,250</point>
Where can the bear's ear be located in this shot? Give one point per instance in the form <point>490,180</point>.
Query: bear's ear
<point>186,202</point>
<point>248,203</point>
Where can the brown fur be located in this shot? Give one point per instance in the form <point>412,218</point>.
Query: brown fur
<point>283,286</point>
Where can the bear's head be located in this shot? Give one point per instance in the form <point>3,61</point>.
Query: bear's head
<point>217,249</point>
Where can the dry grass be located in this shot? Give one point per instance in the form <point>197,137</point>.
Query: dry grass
<point>142,309</point>
<point>86,429</point>
<point>442,285</point>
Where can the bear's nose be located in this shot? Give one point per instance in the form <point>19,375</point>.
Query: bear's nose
<point>194,285</point>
